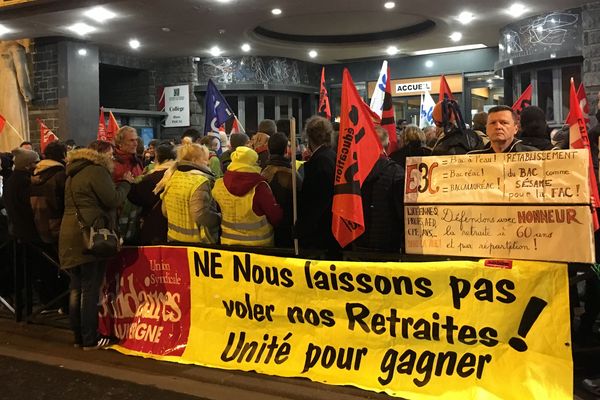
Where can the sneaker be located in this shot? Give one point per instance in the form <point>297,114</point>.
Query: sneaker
<point>102,343</point>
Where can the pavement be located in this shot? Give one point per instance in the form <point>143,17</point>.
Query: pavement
<point>39,362</point>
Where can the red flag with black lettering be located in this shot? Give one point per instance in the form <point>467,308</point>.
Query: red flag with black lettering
<point>445,92</point>
<point>358,150</point>
<point>388,119</point>
<point>524,100</point>
<point>578,139</point>
<point>324,108</point>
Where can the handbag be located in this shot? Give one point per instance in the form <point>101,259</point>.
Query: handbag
<point>99,238</point>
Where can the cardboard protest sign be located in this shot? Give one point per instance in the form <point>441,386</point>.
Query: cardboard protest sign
<point>517,205</point>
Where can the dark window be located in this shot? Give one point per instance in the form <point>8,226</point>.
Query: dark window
<point>269,107</point>
<point>546,93</point>
<point>251,109</point>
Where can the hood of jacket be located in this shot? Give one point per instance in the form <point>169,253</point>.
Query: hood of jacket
<point>45,170</point>
<point>81,158</point>
<point>240,183</point>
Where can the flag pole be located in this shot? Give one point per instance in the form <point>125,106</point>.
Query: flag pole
<point>294,171</point>
<point>14,129</point>
<point>239,123</point>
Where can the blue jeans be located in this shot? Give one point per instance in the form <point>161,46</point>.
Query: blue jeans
<point>86,281</point>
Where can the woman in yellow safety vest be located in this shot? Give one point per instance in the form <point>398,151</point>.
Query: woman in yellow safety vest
<point>187,203</point>
<point>248,206</point>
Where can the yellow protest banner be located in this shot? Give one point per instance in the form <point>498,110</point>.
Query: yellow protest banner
<point>532,177</point>
<point>495,329</point>
<point>523,232</point>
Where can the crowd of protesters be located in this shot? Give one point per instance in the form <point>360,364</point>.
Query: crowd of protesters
<point>235,190</point>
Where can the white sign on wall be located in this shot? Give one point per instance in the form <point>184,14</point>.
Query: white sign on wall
<point>177,106</point>
<point>413,87</point>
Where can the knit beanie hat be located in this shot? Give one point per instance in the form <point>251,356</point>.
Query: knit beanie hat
<point>244,159</point>
<point>23,158</point>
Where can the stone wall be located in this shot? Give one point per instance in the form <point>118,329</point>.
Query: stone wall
<point>591,54</point>
<point>44,81</point>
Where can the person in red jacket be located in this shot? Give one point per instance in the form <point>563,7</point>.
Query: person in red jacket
<point>126,160</point>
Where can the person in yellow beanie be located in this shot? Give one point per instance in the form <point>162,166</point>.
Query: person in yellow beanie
<point>249,209</point>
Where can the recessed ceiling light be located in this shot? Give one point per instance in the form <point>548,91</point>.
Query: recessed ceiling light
<point>134,43</point>
<point>196,59</point>
<point>3,30</point>
<point>223,1</point>
<point>449,49</point>
<point>517,9</point>
<point>82,52</point>
<point>246,47</point>
<point>489,81</point>
<point>429,63</point>
<point>276,11</point>
<point>81,28</point>
<point>215,51</point>
<point>392,50</point>
<point>465,17</point>
<point>313,53</point>
<point>165,29</point>
<point>552,55</point>
<point>99,14</point>
<point>389,5</point>
<point>539,28</point>
<point>510,61</point>
<point>456,36</point>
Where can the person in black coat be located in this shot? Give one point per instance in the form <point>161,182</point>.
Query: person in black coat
<point>534,130</point>
<point>153,229</point>
<point>313,227</point>
<point>16,196</point>
<point>383,207</point>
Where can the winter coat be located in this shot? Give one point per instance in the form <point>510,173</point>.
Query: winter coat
<point>278,174</point>
<point>125,162</point>
<point>313,227</point>
<point>383,207</point>
<point>240,183</point>
<point>457,142</point>
<point>18,207</point>
<point>515,147</point>
<point>202,205</point>
<point>48,198</point>
<point>153,229</point>
<point>90,186</point>
<point>412,149</point>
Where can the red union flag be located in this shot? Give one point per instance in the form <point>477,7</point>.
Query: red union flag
<point>388,119</point>
<point>2,123</point>
<point>445,92</point>
<point>578,139</point>
<point>324,108</point>
<point>101,126</point>
<point>112,128</point>
<point>46,136</point>
<point>358,150</point>
<point>583,104</point>
<point>524,100</point>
